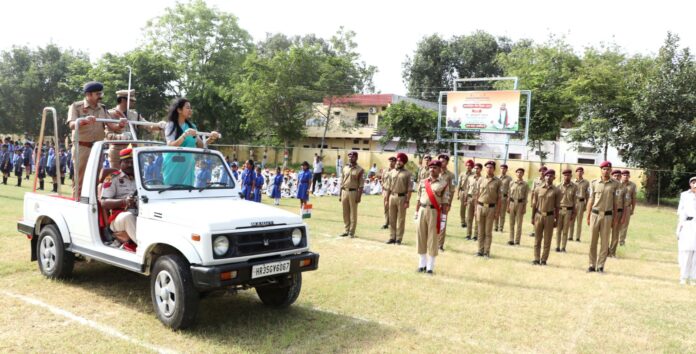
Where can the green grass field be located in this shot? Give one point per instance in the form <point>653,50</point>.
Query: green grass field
<point>367,297</point>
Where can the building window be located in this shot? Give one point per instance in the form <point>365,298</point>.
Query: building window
<point>305,146</point>
<point>585,149</point>
<point>362,118</point>
<point>356,141</point>
<point>366,142</point>
<point>366,149</point>
<point>515,156</point>
<point>471,147</point>
<point>586,161</point>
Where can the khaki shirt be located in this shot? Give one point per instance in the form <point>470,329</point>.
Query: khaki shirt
<point>621,191</point>
<point>505,184</point>
<point>386,179</point>
<point>568,193</point>
<point>91,132</point>
<point>471,184</point>
<point>488,190</point>
<point>114,134</point>
<point>118,186</point>
<point>463,186</point>
<point>448,178</point>
<point>630,189</point>
<point>400,181</point>
<point>438,186</point>
<point>605,195</point>
<point>423,173</point>
<point>352,177</point>
<point>518,190</point>
<point>547,198</point>
<point>583,188</point>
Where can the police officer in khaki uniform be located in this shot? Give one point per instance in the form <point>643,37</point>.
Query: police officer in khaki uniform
<point>616,229</point>
<point>424,171</point>
<point>547,201</point>
<point>580,203</point>
<point>629,203</point>
<point>386,185</point>
<point>603,205</point>
<point>399,197</point>
<point>448,177</point>
<point>352,181</point>
<point>122,110</point>
<point>567,212</point>
<point>118,196</point>
<point>432,203</point>
<point>489,205</point>
<point>90,130</point>
<point>536,183</point>
<point>470,202</point>
<point>462,187</point>
<point>504,188</point>
<point>516,206</point>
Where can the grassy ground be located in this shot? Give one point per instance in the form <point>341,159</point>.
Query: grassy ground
<point>367,297</point>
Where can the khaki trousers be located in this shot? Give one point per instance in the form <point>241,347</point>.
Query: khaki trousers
<point>462,212</point>
<point>500,222</point>
<point>397,217</point>
<point>80,166</point>
<point>624,227</point>
<point>600,228</point>
<point>615,232</point>
<point>543,230</point>
<point>516,215</point>
<point>125,221</point>
<point>576,227</point>
<point>350,210</point>
<point>563,227</point>
<point>471,223</point>
<point>485,221</point>
<point>441,237</point>
<point>427,231</point>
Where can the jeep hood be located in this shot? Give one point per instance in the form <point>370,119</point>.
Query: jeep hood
<point>216,214</point>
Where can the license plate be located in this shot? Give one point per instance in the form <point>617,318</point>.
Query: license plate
<point>263,270</point>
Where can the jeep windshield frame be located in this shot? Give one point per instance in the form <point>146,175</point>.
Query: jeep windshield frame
<point>165,170</point>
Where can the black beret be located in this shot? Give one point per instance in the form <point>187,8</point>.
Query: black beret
<point>93,86</point>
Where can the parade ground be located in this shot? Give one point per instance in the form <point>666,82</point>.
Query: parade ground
<point>368,297</point>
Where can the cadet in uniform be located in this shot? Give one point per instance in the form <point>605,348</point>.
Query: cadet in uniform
<point>516,205</point>
<point>462,188</point>
<point>122,110</point>
<point>536,183</point>
<point>432,203</point>
<point>424,171</point>
<point>567,212</point>
<point>603,203</point>
<point>616,228</point>
<point>90,130</point>
<point>352,181</point>
<point>489,204</point>
<point>399,197</point>
<point>5,163</point>
<point>386,185</point>
<point>583,186</point>
<point>118,196</point>
<point>629,203</point>
<point>547,201</point>
<point>448,177</point>
<point>504,188</point>
<point>470,202</point>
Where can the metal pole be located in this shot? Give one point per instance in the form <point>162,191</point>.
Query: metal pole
<point>658,188</point>
<point>456,158</point>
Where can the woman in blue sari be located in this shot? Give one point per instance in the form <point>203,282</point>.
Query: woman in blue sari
<point>258,186</point>
<point>277,182</point>
<point>181,132</point>
<point>304,178</point>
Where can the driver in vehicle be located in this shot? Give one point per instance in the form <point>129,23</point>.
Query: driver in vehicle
<point>118,197</point>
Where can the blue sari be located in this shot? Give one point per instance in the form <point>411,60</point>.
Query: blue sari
<point>183,170</point>
<point>277,182</point>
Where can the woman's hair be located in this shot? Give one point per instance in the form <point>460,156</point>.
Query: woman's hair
<point>305,163</point>
<point>278,169</point>
<point>173,115</point>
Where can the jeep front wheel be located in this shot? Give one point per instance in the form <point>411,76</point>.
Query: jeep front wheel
<point>173,295</point>
<point>280,296</point>
<point>54,261</point>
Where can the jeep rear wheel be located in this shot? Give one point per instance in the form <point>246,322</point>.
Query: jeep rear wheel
<point>280,296</point>
<point>54,261</point>
<point>174,297</point>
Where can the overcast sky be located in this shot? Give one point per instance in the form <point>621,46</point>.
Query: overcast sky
<point>387,31</point>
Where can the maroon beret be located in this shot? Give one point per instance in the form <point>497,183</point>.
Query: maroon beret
<point>543,168</point>
<point>580,169</point>
<point>435,163</point>
<point>550,172</point>
<point>567,171</point>
<point>443,156</point>
<point>490,162</point>
<point>605,164</point>
<point>504,165</point>
<point>470,162</point>
<point>403,157</point>
<point>626,172</point>
<point>519,169</point>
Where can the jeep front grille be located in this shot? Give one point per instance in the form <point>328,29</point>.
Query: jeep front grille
<point>261,241</point>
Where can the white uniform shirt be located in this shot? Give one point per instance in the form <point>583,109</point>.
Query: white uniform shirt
<point>686,229</point>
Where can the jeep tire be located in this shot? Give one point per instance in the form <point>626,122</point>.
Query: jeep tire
<point>279,296</point>
<point>54,261</point>
<point>174,297</point>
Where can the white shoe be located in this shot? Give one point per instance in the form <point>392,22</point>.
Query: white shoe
<point>682,282</point>
<point>116,244</point>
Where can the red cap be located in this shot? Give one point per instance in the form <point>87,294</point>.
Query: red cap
<point>126,153</point>
<point>551,172</point>
<point>443,156</point>
<point>615,172</point>
<point>470,162</point>
<point>626,172</point>
<point>435,163</point>
<point>567,171</point>
<point>605,164</point>
<point>403,157</point>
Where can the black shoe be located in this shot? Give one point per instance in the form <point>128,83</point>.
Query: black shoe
<point>558,249</point>
<point>398,242</point>
<point>600,269</point>
<point>578,240</point>
<point>543,263</point>
<point>475,238</point>
<point>429,272</point>
<point>532,234</point>
<point>479,254</point>
<point>343,234</point>
<point>495,229</point>
<point>563,250</point>
<point>535,263</point>
<point>385,226</point>
<point>517,243</point>
<point>391,241</point>
<point>442,248</point>
<point>468,237</point>
<point>591,269</point>
<point>464,225</point>
<point>511,243</point>
<point>421,269</point>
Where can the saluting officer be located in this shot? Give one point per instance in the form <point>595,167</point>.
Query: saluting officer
<point>90,130</point>
<point>567,213</point>
<point>399,197</point>
<point>352,181</point>
<point>462,189</point>
<point>629,203</point>
<point>504,188</point>
<point>386,186</point>
<point>603,206</point>
<point>616,229</point>
<point>580,203</point>
<point>448,177</point>
<point>432,203</point>
<point>516,206</point>
<point>470,202</point>
<point>536,183</point>
<point>547,201</point>
<point>489,204</point>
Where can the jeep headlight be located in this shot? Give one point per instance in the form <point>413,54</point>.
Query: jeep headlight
<point>221,245</point>
<point>296,237</point>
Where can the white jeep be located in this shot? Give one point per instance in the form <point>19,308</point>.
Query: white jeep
<point>191,237</point>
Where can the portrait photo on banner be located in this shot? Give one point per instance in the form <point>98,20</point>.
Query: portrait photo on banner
<point>483,111</point>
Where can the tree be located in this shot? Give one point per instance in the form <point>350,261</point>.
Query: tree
<point>475,56</point>
<point>410,122</point>
<point>429,70</point>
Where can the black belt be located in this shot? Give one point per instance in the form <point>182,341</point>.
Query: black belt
<point>469,195</point>
<point>595,211</point>
<point>85,144</point>
<point>689,218</point>
<point>504,195</point>
<point>486,205</point>
<point>521,200</point>
<point>546,213</point>
<point>351,189</point>
<point>619,210</point>
<point>401,194</point>
<point>581,199</point>
<point>567,208</point>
